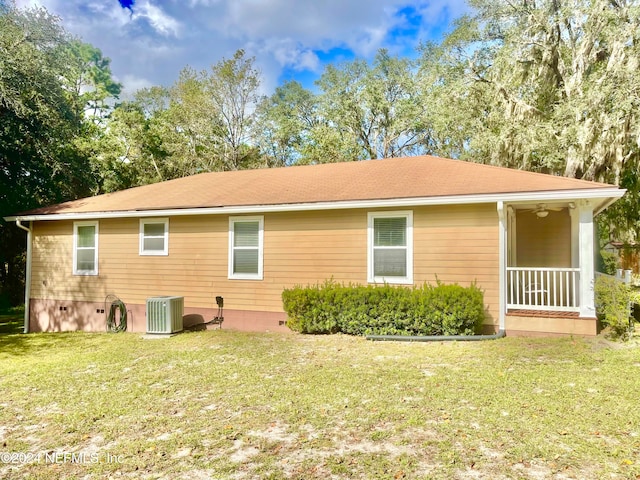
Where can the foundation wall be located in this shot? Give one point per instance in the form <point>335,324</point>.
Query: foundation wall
<point>550,325</point>
<point>56,316</point>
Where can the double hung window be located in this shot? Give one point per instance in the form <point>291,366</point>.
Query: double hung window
<point>154,236</point>
<point>390,253</point>
<point>85,248</point>
<point>246,247</point>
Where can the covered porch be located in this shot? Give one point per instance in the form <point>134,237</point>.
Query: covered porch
<point>549,266</point>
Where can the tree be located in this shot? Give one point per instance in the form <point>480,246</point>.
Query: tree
<point>203,122</point>
<point>362,111</point>
<point>455,106</point>
<point>232,87</point>
<point>377,105</point>
<point>40,129</point>
<point>548,86</point>
<point>89,79</point>
<point>284,122</point>
<point>121,155</point>
<point>294,129</point>
<point>189,129</point>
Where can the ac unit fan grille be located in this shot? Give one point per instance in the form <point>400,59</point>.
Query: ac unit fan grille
<point>164,314</point>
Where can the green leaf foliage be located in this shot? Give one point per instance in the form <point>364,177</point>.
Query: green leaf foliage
<point>201,123</point>
<point>607,262</point>
<point>362,111</point>
<point>48,85</point>
<point>613,299</point>
<point>384,310</point>
<point>543,86</point>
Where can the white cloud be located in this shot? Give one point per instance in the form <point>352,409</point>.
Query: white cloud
<point>27,3</point>
<point>369,41</point>
<point>288,53</point>
<point>160,37</point>
<point>315,24</point>
<point>132,84</point>
<point>163,23</point>
<point>435,12</point>
<point>205,3</point>
<point>307,60</point>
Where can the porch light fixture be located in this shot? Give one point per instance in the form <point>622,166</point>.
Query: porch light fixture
<point>542,213</point>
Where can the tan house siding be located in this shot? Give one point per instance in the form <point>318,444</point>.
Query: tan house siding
<point>459,243</point>
<point>543,242</point>
<point>455,243</point>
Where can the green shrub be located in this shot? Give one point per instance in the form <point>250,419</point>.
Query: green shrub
<point>608,262</point>
<point>384,310</point>
<point>612,299</point>
<point>307,309</point>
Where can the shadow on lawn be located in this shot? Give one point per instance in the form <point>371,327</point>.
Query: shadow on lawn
<point>31,343</point>
<point>11,324</point>
<point>14,342</point>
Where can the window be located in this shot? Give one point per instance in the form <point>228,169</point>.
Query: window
<point>245,247</point>
<point>154,236</point>
<point>85,248</point>
<point>390,255</point>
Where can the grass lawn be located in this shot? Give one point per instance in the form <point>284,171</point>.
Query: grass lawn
<point>221,404</point>
<point>12,322</point>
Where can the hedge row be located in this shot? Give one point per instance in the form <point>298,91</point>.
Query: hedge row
<point>384,310</point>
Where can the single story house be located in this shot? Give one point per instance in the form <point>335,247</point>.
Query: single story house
<point>527,239</point>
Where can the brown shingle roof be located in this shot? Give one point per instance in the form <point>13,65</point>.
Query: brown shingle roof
<point>411,177</point>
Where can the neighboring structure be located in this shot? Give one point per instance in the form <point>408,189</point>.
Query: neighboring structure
<point>626,253</point>
<point>527,239</point>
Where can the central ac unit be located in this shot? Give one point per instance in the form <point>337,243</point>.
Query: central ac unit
<point>164,314</point>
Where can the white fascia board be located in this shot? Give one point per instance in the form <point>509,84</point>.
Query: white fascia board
<point>606,194</point>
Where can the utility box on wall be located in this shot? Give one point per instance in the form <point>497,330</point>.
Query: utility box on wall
<point>164,314</point>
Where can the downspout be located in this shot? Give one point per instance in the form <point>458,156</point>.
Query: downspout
<point>27,277</point>
<point>502,264</point>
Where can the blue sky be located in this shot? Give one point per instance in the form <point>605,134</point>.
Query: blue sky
<point>150,41</point>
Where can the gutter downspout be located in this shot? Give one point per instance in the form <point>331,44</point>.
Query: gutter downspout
<point>436,338</point>
<point>502,264</point>
<point>27,276</point>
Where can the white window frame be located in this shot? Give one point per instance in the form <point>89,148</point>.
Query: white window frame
<point>247,276</point>
<point>406,280</point>
<point>165,251</point>
<point>76,271</point>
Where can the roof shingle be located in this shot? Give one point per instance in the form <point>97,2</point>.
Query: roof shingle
<point>396,178</point>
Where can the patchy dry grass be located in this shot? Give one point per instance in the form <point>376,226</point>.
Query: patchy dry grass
<point>223,404</point>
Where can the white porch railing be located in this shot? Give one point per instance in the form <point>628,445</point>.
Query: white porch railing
<point>543,288</point>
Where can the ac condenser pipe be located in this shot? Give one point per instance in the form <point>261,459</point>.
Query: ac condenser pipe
<point>436,338</point>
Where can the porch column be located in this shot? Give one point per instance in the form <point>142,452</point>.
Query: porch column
<point>586,257</point>
<point>575,237</point>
